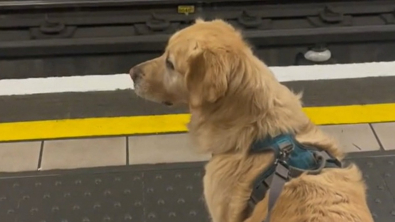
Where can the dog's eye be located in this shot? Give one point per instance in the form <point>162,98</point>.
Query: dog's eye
<point>169,64</point>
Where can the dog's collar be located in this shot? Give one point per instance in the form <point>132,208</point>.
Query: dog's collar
<point>291,159</point>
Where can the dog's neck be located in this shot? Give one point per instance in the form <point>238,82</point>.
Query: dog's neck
<point>254,108</point>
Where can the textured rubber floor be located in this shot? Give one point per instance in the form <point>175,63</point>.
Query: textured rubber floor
<point>379,173</point>
<point>163,193</point>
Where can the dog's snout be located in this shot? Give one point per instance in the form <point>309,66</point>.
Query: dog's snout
<point>135,73</point>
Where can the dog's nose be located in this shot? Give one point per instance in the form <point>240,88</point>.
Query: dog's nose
<point>135,73</point>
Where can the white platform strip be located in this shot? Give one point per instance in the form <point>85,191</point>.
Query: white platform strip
<point>112,82</point>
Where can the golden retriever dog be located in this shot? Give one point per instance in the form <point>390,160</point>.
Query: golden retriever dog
<point>234,99</point>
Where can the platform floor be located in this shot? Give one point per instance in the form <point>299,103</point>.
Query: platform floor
<point>151,177</point>
<point>161,148</point>
<point>165,193</point>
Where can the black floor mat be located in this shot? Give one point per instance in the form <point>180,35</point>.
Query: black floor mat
<point>165,193</point>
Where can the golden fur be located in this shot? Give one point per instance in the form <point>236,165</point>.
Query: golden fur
<point>234,99</point>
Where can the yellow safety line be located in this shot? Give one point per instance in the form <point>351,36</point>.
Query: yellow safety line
<point>113,126</point>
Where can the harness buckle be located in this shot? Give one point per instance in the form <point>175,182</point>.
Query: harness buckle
<point>282,170</point>
<point>259,192</point>
<point>286,147</point>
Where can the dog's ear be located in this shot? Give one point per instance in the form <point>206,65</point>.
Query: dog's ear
<point>207,76</point>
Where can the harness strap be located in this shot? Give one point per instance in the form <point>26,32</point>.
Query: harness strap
<point>261,183</point>
<point>280,177</point>
<point>276,181</point>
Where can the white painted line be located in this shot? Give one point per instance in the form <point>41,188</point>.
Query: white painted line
<point>65,84</point>
<point>338,71</point>
<point>123,81</point>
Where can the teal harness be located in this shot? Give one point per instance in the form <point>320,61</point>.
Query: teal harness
<point>291,159</point>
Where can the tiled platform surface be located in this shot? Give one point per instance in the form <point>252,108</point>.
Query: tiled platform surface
<point>169,148</point>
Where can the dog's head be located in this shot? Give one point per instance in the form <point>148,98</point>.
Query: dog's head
<point>195,68</point>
